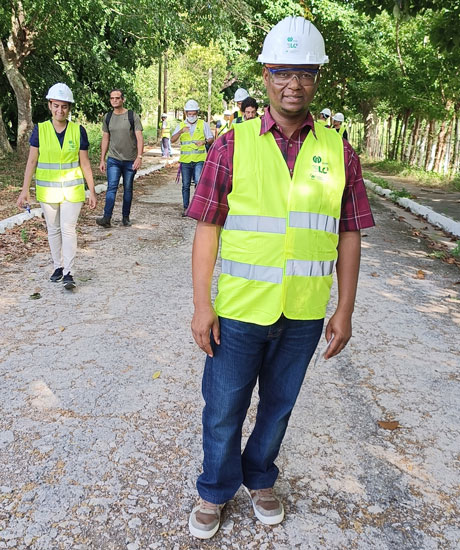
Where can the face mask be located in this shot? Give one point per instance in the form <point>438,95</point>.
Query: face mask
<point>192,119</point>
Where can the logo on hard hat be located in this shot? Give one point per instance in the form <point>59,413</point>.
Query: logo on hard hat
<point>292,43</point>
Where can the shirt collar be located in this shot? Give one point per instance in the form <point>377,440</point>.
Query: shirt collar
<point>268,123</point>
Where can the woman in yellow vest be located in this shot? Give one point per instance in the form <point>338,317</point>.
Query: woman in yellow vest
<point>59,158</point>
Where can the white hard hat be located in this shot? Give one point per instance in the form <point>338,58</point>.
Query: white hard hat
<point>227,112</point>
<point>191,105</point>
<point>326,112</point>
<point>338,117</point>
<point>294,41</point>
<point>241,94</point>
<point>60,92</point>
<point>164,115</point>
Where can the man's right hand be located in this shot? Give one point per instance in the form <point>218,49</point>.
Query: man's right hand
<point>185,129</point>
<point>205,321</point>
<point>102,166</point>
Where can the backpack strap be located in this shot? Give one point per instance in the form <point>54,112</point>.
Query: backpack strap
<point>108,116</point>
<point>131,120</point>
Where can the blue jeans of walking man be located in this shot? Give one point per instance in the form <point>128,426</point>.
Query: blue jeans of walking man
<point>116,169</point>
<point>189,171</point>
<point>275,356</point>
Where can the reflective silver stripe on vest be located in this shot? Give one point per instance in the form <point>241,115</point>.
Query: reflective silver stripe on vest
<point>311,220</point>
<point>253,272</point>
<point>71,183</point>
<point>264,224</point>
<point>304,268</point>
<point>57,166</point>
<point>187,142</point>
<point>196,152</point>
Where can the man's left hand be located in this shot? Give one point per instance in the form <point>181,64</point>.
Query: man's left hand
<point>137,163</point>
<point>339,326</point>
<point>200,143</point>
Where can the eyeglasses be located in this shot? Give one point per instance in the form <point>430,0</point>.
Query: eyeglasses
<point>306,77</point>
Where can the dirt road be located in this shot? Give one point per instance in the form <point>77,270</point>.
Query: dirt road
<point>100,402</point>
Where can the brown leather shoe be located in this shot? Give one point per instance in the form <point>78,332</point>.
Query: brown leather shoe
<point>204,521</point>
<point>267,507</point>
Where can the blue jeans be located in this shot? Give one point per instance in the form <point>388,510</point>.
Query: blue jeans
<point>189,169</point>
<point>166,147</point>
<point>277,356</point>
<point>115,169</point>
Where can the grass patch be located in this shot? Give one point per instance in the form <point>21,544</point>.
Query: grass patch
<point>400,194</point>
<point>376,179</point>
<point>429,179</point>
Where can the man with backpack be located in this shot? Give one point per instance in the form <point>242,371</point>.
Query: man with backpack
<point>122,139</point>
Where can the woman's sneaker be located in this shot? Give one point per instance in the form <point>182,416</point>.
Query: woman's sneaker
<point>69,283</point>
<point>204,520</point>
<point>57,275</point>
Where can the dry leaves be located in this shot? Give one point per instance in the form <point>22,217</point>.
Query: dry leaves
<point>420,274</point>
<point>389,424</point>
<point>375,274</point>
<point>156,374</point>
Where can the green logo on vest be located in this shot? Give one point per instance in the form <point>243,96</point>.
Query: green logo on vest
<point>71,145</point>
<point>317,159</point>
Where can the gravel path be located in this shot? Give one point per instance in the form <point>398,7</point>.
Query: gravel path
<point>100,437</point>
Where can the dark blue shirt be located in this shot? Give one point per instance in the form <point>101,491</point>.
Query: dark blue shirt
<point>84,143</point>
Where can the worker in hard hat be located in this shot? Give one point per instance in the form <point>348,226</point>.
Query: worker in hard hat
<point>165,136</point>
<point>339,126</point>
<point>249,108</point>
<point>223,126</point>
<point>240,95</point>
<point>193,134</point>
<point>58,158</point>
<point>323,118</point>
<point>285,198</point>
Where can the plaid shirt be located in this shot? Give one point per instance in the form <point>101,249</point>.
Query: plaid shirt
<point>210,204</point>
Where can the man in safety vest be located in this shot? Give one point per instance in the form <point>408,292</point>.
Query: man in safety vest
<point>165,136</point>
<point>324,117</point>
<point>223,126</point>
<point>286,198</point>
<point>338,125</point>
<point>238,116</point>
<point>123,143</point>
<point>193,134</point>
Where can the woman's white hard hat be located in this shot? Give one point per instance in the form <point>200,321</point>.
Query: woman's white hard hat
<point>60,92</point>
<point>191,105</point>
<point>338,117</point>
<point>326,112</point>
<point>227,112</point>
<point>294,41</point>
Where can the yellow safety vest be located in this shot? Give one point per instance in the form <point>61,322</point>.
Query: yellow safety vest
<point>279,241</point>
<point>58,175</point>
<point>189,150</point>
<point>224,128</point>
<point>322,122</point>
<point>165,132</point>
<point>341,130</point>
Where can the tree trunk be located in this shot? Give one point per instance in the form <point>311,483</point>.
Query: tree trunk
<point>403,152</point>
<point>388,137</point>
<point>209,95</point>
<point>165,85</point>
<point>394,147</point>
<point>455,143</point>
<point>441,145</point>
<point>413,142</point>
<point>429,144</point>
<point>18,47</point>
<point>5,147</point>
<point>159,91</point>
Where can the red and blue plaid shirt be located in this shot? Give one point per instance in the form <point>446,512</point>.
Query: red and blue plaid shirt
<point>210,204</point>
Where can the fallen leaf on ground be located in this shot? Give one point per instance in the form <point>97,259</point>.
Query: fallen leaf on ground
<point>35,296</point>
<point>137,263</point>
<point>62,329</point>
<point>156,374</point>
<point>457,283</point>
<point>375,274</point>
<point>389,425</point>
<point>420,274</point>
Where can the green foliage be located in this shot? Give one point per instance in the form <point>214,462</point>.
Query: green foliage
<point>24,235</point>
<point>400,194</point>
<point>456,250</point>
<point>376,179</point>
